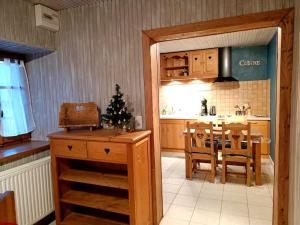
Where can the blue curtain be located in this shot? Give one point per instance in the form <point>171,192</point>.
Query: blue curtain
<point>15,104</point>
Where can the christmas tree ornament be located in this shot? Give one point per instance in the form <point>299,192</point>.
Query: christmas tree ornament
<point>117,112</point>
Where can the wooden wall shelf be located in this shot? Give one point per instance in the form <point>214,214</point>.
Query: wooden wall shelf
<point>188,65</point>
<point>101,172</point>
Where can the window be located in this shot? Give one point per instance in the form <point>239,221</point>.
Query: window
<point>15,105</point>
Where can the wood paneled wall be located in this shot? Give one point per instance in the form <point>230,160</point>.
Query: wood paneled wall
<point>294,196</point>
<point>98,46</point>
<point>17,24</point>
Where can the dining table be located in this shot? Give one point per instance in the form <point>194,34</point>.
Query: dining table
<point>256,140</point>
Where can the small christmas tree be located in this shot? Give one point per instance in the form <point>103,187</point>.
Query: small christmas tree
<point>117,114</point>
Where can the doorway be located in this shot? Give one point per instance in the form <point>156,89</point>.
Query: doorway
<point>280,18</point>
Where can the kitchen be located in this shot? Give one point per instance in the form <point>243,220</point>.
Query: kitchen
<point>227,78</point>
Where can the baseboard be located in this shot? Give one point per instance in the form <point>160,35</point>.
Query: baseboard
<point>273,165</point>
<point>47,219</point>
<point>172,150</point>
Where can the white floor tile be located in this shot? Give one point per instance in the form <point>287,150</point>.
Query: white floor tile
<point>168,197</point>
<point>260,200</point>
<point>209,204</point>
<point>213,186</point>
<point>172,188</point>
<point>211,194</point>
<point>233,220</point>
<point>200,202</point>
<point>171,221</point>
<point>235,208</point>
<point>166,207</point>
<point>235,197</point>
<point>258,190</point>
<point>205,217</point>
<point>191,190</point>
<point>260,212</point>
<point>260,222</point>
<point>236,188</point>
<point>184,200</point>
<point>173,181</point>
<point>180,212</point>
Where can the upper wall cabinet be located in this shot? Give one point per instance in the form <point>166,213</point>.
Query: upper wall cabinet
<point>200,64</point>
<point>203,64</point>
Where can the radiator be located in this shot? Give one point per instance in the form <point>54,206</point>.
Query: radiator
<point>32,185</point>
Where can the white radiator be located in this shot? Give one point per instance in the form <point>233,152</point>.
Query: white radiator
<point>32,185</point>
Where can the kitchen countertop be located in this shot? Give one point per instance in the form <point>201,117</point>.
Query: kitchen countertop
<point>211,118</point>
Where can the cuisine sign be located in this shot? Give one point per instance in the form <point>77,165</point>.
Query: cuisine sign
<point>250,62</point>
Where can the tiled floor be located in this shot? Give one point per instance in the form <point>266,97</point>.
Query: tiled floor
<point>199,202</point>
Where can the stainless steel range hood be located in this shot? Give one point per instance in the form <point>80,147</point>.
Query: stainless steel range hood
<point>225,73</point>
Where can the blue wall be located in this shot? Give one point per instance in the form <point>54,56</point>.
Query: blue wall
<point>251,72</point>
<point>272,74</point>
<point>266,70</point>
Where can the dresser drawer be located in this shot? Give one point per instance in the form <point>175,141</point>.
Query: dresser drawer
<point>107,152</point>
<point>69,148</point>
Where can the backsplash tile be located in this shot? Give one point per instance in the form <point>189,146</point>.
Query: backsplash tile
<point>185,98</point>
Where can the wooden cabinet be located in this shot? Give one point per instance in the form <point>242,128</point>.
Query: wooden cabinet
<point>171,134</point>
<point>98,177</point>
<point>203,64</point>
<point>200,64</point>
<point>174,65</point>
<point>172,138</point>
<point>262,127</point>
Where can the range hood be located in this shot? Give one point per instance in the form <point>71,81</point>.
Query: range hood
<point>225,73</point>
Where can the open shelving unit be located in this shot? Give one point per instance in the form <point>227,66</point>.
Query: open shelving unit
<point>94,188</point>
<point>89,185</point>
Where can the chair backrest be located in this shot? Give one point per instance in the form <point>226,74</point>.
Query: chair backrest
<point>200,138</point>
<point>236,139</point>
<point>7,208</point>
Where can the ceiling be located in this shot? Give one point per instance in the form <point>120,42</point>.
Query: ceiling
<point>63,4</point>
<point>235,39</point>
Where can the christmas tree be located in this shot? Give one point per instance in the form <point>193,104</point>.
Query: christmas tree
<point>117,114</point>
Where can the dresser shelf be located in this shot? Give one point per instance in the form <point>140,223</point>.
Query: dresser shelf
<point>95,178</point>
<point>82,219</point>
<point>97,201</point>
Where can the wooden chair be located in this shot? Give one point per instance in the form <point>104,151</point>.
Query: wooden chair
<point>200,146</point>
<point>7,208</point>
<point>236,147</point>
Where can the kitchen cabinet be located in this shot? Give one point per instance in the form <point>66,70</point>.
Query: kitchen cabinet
<point>172,138</point>
<point>203,63</point>
<point>171,134</point>
<point>263,127</point>
<point>199,64</point>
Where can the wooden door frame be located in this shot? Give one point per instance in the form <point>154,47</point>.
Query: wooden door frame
<point>283,19</point>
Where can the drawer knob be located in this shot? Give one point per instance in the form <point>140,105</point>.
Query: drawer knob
<point>107,150</point>
<point>70,147</point>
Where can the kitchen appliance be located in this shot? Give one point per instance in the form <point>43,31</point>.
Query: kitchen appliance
<point>225,73</point>
<point>212,110</point>
<point>204,107</point>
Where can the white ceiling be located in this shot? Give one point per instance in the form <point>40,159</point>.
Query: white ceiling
<point>235,39</point>
<point>63,4</point>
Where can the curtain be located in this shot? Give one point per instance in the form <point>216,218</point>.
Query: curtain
<point>15,104</point>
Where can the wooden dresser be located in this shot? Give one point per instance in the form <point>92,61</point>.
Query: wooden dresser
<point>100,177</point>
